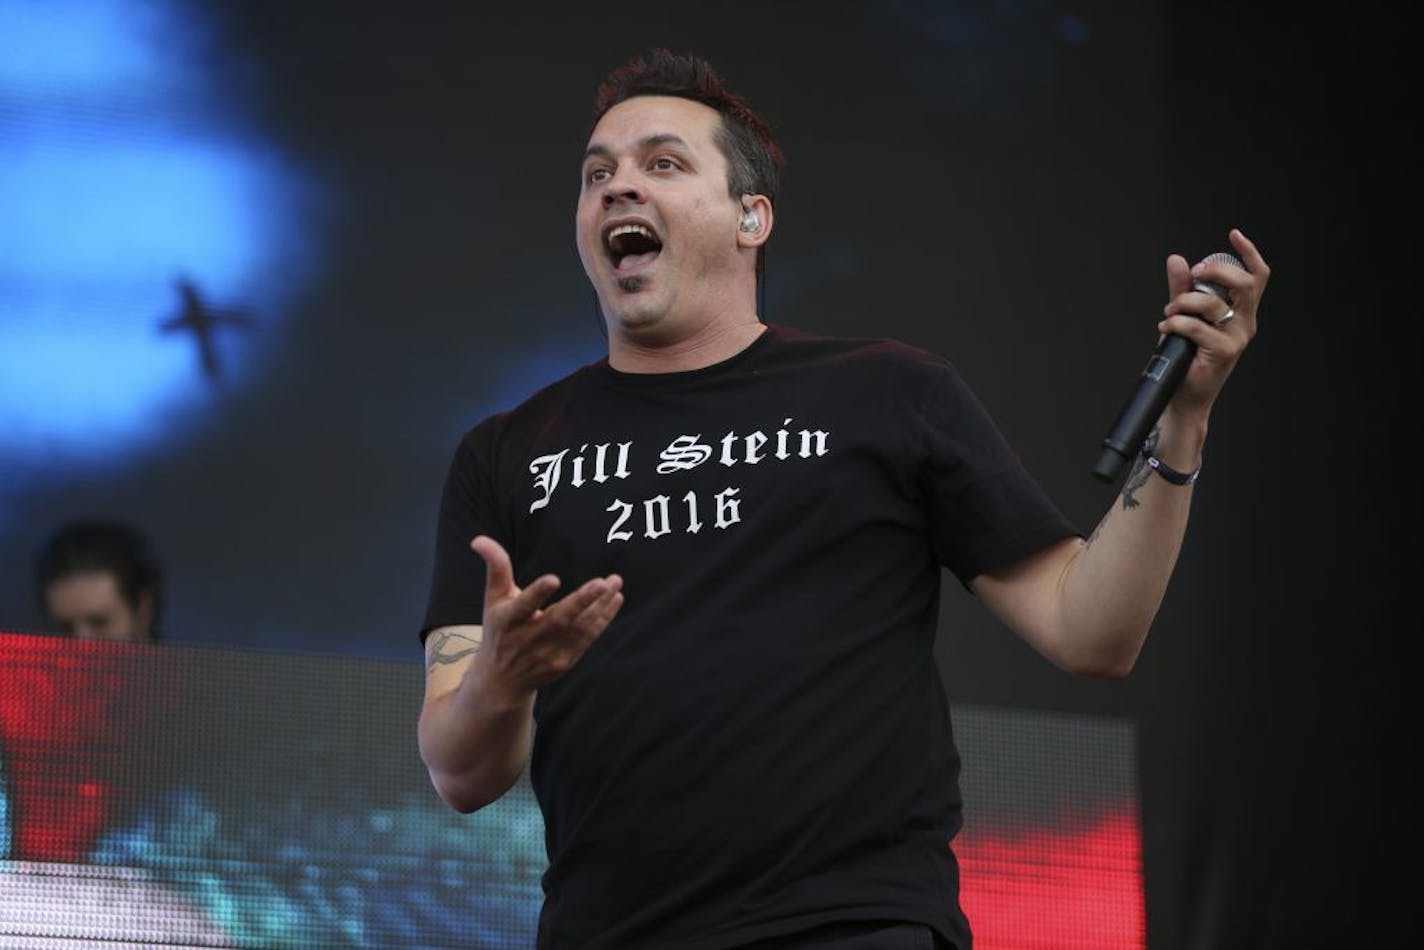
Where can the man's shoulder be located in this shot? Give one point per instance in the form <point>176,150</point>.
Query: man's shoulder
<point>878,352</point>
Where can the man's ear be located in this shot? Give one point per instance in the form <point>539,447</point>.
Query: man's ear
<point>754,226</point>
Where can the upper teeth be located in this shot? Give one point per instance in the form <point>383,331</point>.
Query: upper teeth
<point>629,229</point>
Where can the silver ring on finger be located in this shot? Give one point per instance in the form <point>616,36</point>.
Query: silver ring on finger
<point>1224,319</point>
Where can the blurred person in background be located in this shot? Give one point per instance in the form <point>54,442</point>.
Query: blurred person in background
<point>97,579</point>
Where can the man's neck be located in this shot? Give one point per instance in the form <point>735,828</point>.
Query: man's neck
<point>710,346</point>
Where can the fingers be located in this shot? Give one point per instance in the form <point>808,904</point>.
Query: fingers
<point>1179,275</point>
<point>1204,306</point>
<point>1228,277</point>
<point>1220,341</point>
<point>1220,319</point>
<point>529,642</point>
<point>527,604</point>
<point>500,589</point>
<point>595,603</point>
<point>1242,288</point>
<point>499,572</point>
<point>572,625</point>
<point>542,646</point>
<point>1251,257</point>
<point>592,607</point>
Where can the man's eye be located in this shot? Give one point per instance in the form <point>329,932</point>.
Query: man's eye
<point>664,164</point>
<point>597,175</point>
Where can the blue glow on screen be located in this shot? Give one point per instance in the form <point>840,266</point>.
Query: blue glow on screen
<point>528,371</point>
<point>123,174</point>
<point>4,819</point>
<point>94,45</point>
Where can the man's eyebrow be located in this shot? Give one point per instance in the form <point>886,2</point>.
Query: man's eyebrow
<point>647,142</point>
<point>662,138</point>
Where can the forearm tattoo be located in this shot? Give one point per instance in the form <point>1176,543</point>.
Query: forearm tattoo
<point>450,647</point>
<point>1141,471</point>
<point>1136,478</point>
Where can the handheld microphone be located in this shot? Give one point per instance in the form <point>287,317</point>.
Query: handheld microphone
<point>1159,380</point>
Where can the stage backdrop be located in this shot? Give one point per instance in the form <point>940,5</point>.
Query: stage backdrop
<point>211,797</point>
<point>259,273</point>
<point>261,265</point>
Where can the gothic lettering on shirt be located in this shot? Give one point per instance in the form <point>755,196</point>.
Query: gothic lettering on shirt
<point>663,514</point>
<point>547,469</point>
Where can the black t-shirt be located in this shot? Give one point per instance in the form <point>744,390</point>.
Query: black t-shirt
<point>759,743</point>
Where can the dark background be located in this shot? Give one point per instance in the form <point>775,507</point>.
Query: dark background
<point>997,182</point>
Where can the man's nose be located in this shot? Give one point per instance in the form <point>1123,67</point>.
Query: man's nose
<point>621,187</point>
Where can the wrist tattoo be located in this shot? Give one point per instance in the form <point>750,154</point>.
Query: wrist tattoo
<point>1141,471</point>
<point>451,648</point>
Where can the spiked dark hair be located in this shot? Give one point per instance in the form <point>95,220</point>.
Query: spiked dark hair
<point>754,161</point>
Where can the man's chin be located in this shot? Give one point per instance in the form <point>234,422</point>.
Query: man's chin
<point>638,317</point>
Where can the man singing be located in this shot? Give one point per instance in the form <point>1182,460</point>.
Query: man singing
<point>698,580</point>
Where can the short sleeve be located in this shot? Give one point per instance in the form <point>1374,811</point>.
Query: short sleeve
<point>985,510</point>
<point>467,509</point>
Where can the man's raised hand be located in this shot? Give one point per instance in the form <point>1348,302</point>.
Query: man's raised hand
<point>527,641</point>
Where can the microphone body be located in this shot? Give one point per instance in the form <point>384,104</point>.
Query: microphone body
<point>1159,380</point>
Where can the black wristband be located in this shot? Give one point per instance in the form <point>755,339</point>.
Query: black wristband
<point>1165,470</point>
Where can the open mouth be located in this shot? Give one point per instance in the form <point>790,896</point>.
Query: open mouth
<point>631,246</point>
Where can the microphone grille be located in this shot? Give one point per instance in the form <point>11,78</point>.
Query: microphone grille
<point>1220,257</point>
<point>1223,257</point>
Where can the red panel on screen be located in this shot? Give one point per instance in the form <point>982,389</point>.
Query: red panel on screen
<point>1030,890</point>
<point>67,724</point>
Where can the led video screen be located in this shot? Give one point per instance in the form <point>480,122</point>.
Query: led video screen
<point>190,796</point>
